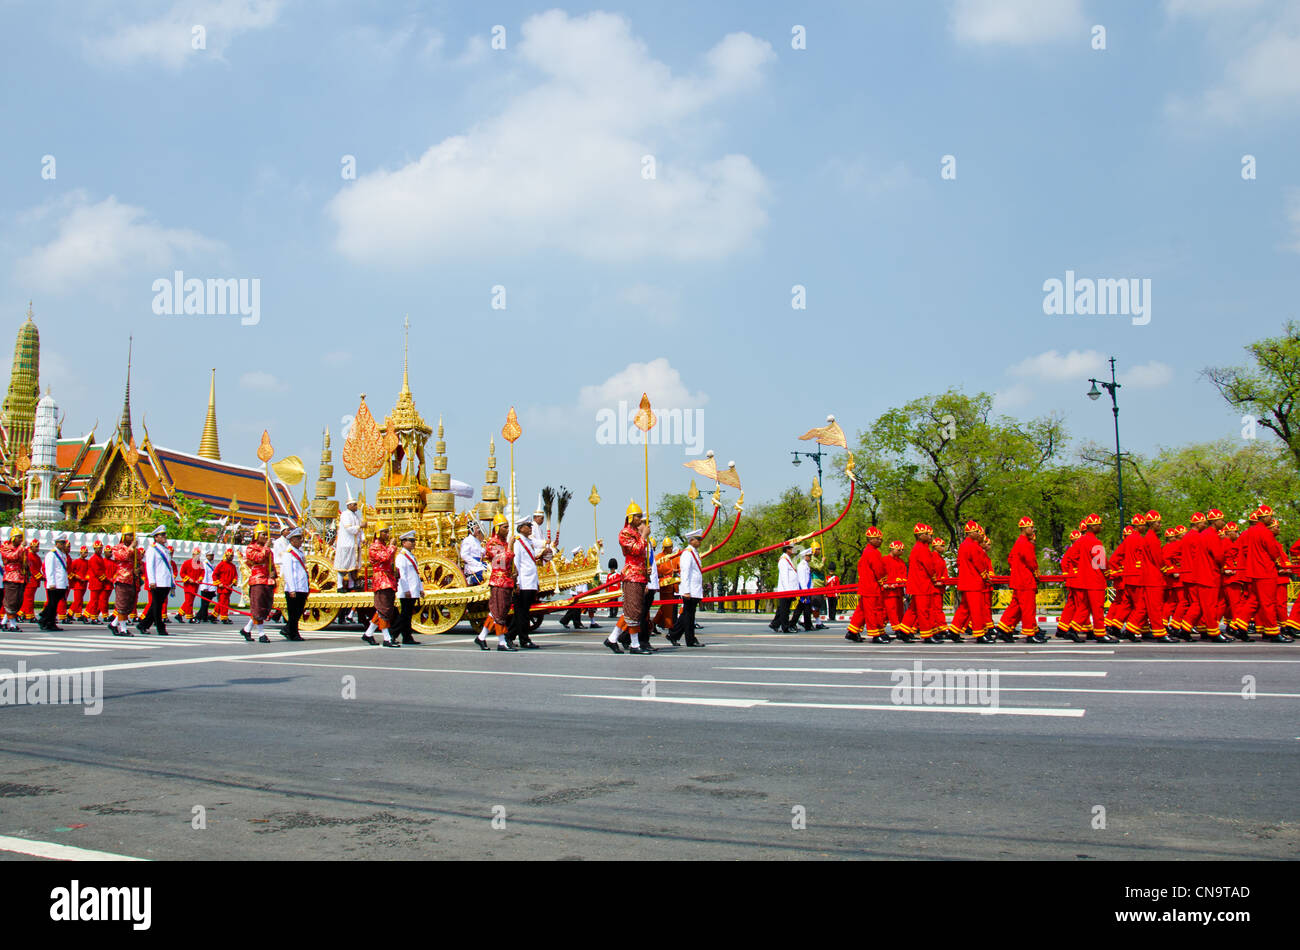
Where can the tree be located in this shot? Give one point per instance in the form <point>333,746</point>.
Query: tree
<point>1266,391</point>
<point>672,515</point>
<point>190,520</point>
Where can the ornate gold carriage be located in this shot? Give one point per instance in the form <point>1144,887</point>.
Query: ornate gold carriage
<point>409,498</point>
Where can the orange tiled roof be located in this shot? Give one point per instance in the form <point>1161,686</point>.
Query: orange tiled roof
<point>216,483</point>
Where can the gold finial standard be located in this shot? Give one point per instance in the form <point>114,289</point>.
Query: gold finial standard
<point>124,425</point>
<point>491,503</point>
<point>324,507</point>
<point>406,353</point>
<point>209,447</point>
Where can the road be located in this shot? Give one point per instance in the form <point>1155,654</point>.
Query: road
<point>758,746</point>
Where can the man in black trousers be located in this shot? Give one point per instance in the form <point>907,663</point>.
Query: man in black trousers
<point>56,584</point>
<point>158,575</point>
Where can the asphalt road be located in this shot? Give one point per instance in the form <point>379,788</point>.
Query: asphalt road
<point>758,746</point>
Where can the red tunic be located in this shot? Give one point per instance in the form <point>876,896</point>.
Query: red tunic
<point>871,572</point>
<point>1261,553</point>
<point>1151,561</point>
<point>225,574</point>
<point>634,553</point>
<point>35,569</point>
<point>920,570</point>
<point>497,553</point>
<point>78,571</point>
<point>97,568</point>
<point>15,560</point>
<point>1092,553</point>
<point>1070,565</point>
<point>124,564</point>
<point>895,573</point>
<point>972,565</point>
<point>191,574</point>
<point>1023,562</point>
<point>258,558</point>
<point>381,565</point>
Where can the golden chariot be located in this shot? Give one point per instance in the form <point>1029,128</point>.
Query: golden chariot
<point>410,498</point>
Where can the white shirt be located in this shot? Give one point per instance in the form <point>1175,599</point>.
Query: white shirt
<point>348,541</point>
<point>471,555</point>
<point>787,578</point>
<point>158,566</point>
<point>293,567</point>
<point>409,582</point>
<point>56,570</point>
<point>525,564</point>
<point>692,574</point>
<point>278,547</point>
<point>207,584</point>
<point>805,575</point>
<point>653,582</point>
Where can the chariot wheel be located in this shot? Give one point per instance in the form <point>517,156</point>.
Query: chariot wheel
<point>321,580</point>
<point>476,615</point>
<point>439,574</point>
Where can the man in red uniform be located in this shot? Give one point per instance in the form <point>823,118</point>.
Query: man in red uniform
<point>1262,553</point>
<point>98,583</point>
<point>1092,583</point>
<point>1122,604</point>
<point>261,584</point>
<point>225,575</point>
<point>13,554</point>
<point>921,587</point>
<point>869,615</point>
<point>78,568</point>
<point>1069,571</point>
<point>383,558</point>
<point>1202,574</point>
<point>1171,551</point>
<point>942,579</point>
<point>633,538</point>
<point>124,565</point>
<point>1240,606</point>
<point>191,575</point>
<point>1023,563</point>
<point>35,575</point>
<point>894,584</point>
<point>1148,579</point>
<point>973,567</point>
<point>501,582</point>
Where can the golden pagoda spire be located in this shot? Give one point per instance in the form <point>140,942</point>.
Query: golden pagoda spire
<point>209,448</point>
<point>324,507</point>
<point>19,410</point>
<point>406,352</point>
<point>124,426</point>
<point>491,503</point>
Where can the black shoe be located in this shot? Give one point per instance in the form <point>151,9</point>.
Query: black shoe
<point>528,645</point>
<point>954,636</point>
<point>410,641</point>
<point>1152,638</point>
<point>246,634</point>
<point>122,633</point>
<point>285,635</point>
<point>1276,638</point>
<point>367,638</point>
<point>694,643</point>
<point>1217,638</point>
<point>225,620</point>
<point>162,632</point>
<point>481,642</point>
<point>1036,638</point>
<point>263,639</point>
<point>296,638</point>
<point>614,647</point>
<point>1007,636</point>
<point>594,626</point>
<point>1105,638</point>
<point>392,643</point>
<point>671,639</point>
<point>855,637</point>
<point>1078,637</point>
<point>906,638</point>
<point>507,648</point>
<point>565,626</point>
<point>142,628</point>
<point>820,626</point>
<point>775,628</point>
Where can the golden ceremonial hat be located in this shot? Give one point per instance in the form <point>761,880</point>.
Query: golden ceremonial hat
<point>632,509</point>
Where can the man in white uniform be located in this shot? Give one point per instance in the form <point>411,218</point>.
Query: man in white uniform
<point>787,578</point>
<point>347,543</point>
<point>207,589</point>
<point>691,590</point>
<point>527,586</point>
<point>804,576</point>
<point>56,583</point>
<point>410,586</point>
<point>471,553</point>
<point>158,577</point>
<point>297,584</point>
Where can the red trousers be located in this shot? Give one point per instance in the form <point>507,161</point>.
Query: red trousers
<point>1088,604</point>
<point>1148,608</point>
<point>187,604</point>
<point>29,600</point>
<point>1264,594</point>
<point>223,603</point>
<point>99,601</point>
<point>1240,606</point>
<point>1120,607</point>
<point>1203,608</point>
<point>894,608</point>
<point>973,611</point>
<point>869,616</point>
<point>1023,610</point>
<point>924,616</point>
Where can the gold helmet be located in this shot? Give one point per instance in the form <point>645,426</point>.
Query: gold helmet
<point>632,509</point>
<point>498,520</point>
<point>128,529</point>
<point>261,529</point>
<point>380,527</point>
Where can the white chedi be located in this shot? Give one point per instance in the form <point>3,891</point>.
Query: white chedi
<point>39,505</point>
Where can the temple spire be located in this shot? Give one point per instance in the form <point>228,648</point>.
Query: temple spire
<point>209,447</point>
<point>406,351</point>
<point>124,426</point>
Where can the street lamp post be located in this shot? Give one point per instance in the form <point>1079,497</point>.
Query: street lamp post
<point>817,458</point>
<point>1094,393</point>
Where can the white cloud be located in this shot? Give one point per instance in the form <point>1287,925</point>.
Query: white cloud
<point>657,379</point>
<point>1258,43</point>
<point>1053,367</point>
<point>101,240</point>
<point>871,180</point>
<point>1016,396</point>
<point>169,39</point>
<point>658,303</point>
<point>1015,22</point>
<point>560,167</point>
<point>1150,375</point>
<point>263,382</point>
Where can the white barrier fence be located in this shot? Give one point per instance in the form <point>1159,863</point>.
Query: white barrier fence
<point>181,549</point>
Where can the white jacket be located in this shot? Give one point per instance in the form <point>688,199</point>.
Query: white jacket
<point>787,578</point>
<point>692,574</point>
<point>294,568</point>
<point>56,570</point>
<point>805,575</point>
<point>409,582</point>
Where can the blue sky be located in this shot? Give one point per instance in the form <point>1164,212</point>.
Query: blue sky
<point>522,168</point>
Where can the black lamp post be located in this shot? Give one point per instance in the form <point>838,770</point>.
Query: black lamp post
<point>816,457</point>
<point>1094,393</point>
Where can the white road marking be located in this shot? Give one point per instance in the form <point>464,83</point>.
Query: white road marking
<point>751,703</point>
<point>26,653</point>
<point>184,661</point>
<point>868,669</point>
<point>60,852</point>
